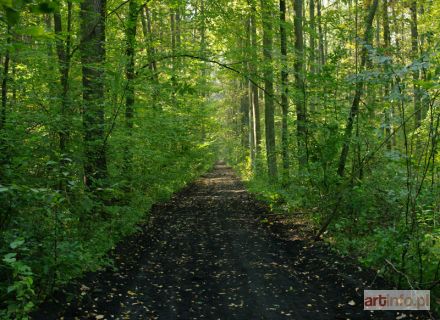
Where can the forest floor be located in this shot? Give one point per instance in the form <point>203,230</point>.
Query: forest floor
<point>215,252</point>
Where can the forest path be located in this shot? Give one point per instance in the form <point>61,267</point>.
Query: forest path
<point>206,255</point>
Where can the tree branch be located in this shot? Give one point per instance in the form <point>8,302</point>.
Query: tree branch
<point>220,64</point>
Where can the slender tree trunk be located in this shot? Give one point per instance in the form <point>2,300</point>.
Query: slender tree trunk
<point>63,53</point>
<point>147,31</point>
<point>5,89</point>
<point>312,59</point>
<point>387,45</point>
<point>4,157</point>
<point>244,93</point>
<point>377,33</point>
<point>173,47</point>
<point>312,56</point>
<point>395,30</point>
<point>284,90</point>
<point>5,77</point>
<point>63,49</point>
<point>424,94</point>
<point>320,35</point>
<point>175,44</point>
<point>269,109</point>
<point>177,25</point>
<point>130,35</point>
<point>244,106</point>
<point>204,71</point>
<point>247,68</point>
<point>14,87</point>
<point>92,60</point>
<point>202,28</point>
<point>253,88</point>
<point>53,89</point>
<point>251,132</point>
<point>203,43</point>
<point>386,26</point>
<point>301,111</point>
<point>148,35</point>
<point>354,110</point>
<point>416,73</point>
<point>175,35</point>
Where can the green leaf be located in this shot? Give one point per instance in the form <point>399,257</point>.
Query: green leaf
<point>16,243</point>
<point>10,257</point>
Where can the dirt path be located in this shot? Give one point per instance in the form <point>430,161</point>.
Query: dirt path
<point>206,255</point>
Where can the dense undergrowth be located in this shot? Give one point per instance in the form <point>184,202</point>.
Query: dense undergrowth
<point>348,137</point>
<point>52,227</point>
<point>90,137</point>
<point>55,236</point>
<point>370,224</point>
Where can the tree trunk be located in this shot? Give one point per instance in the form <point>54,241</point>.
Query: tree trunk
<point>354,110</point>
<point>301,111</point>
<point>5,77</point>
<point>202,28</point>
<point>252,151</point>
<point>175,44</point>
<point>4,89</point>
<point>244,93</point>
<point>416,73</point>
<point>321,36</point>
<point>147,31</point>
<point>312,59</point>
<point>173,47</point>
<point>130,35</point>
<point>255,105</point>
<point>177,25</point>
<point>247,67</point>
<point>377,33</point>
<point>92,60</point>
<point>269,109</point>
<point>284,90</point>
<point>387,45</point>
<point>244,106</point>
<point>148,35</point>
<point>312,56</point>
<point>63,53</point>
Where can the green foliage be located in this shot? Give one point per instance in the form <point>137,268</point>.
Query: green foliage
<point>17,279</point>
<point>52,227</point>
<point>384,208</point>
<point>10,10</point>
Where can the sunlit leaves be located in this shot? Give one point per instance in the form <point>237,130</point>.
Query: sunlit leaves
<point>11,9</point>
